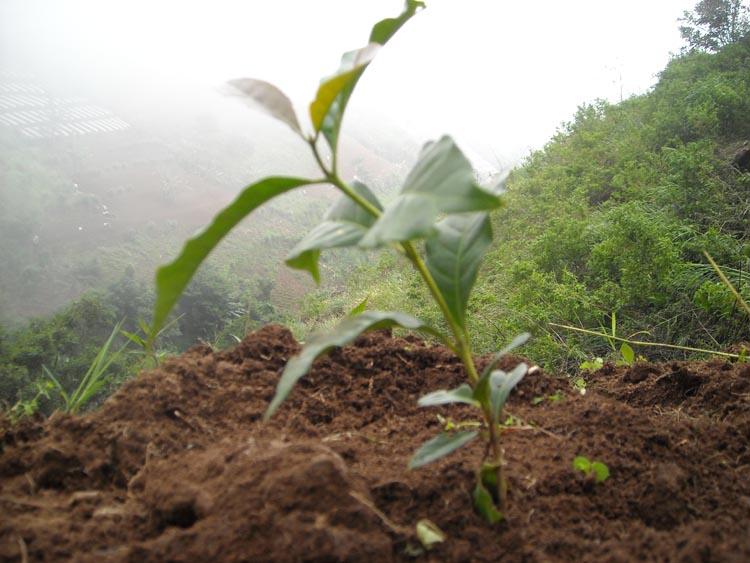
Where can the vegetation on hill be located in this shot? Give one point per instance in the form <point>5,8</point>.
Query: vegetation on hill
<point>612,217</point>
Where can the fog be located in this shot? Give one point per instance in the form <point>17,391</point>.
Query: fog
<point>499,75</point>
<point>117,132</point>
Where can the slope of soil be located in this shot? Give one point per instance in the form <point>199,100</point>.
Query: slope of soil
<point>178,466</point>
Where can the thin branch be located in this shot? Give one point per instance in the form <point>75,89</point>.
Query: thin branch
<point>642,343</point>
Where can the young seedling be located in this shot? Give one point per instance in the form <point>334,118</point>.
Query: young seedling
<point>592,365</point>
<point>28,407</point>
<point>593,470</point>
<point>145,342</point>
<point>439,203</point>
<point>94,379</point>
<point>626,350</point>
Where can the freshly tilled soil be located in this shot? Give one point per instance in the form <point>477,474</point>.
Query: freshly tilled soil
<point>179,465</point>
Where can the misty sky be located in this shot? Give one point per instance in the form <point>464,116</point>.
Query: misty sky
<point>500,76</point>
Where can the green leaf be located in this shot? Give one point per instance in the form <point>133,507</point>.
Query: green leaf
<point>627,353</point>
<point>96,375</point>
<point>440,446</point>
<point>501,384</point>
<point>517,341</point>
<point>345,224</point>
<point>134,338</point>
<point>343,334</point>
<point>385,29</point>
<point>58,386</point>
<point>359,309</point>
<point>327,109</point>
<point>172,279</point>
<point>442,181</point>
<point>454,256</point>
<point>272,100</point>
<point>484,504</point>
<point>410,216</point>
<point>347,210</point>
<point>601,471</point>
<point>482,389</point>
<point>462,394</point>
<point>444,173</point>
<point>488,477</point>
<point>581,463</point>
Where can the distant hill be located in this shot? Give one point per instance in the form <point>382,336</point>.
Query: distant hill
<point>95,184</point>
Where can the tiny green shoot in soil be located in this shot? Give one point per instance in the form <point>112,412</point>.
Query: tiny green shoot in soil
<point>597,469</point>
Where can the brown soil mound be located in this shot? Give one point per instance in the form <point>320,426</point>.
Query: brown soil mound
<point>178,466</point>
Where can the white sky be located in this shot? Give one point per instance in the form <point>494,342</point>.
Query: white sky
<point>499,75</point>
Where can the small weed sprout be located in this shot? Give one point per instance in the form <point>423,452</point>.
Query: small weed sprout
<point>439,221</point>
<point>596,470</point>
<point>579,383</point>
<point>29,407</point>
<point>592,365</point>
<point>145,342</point>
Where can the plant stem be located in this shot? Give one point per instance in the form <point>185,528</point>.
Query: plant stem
<point>312,141</point>
<point>497,454</point>
<point>727,283</point>
<point>334,179</point>
<point>642,343</point>
<point>462,346</point>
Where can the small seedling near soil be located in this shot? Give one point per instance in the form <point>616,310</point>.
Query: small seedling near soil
<point>94,379</point>
<point>592,365</point>
<point>145,342</point>
<point>742,357</point>
<point>439,222</point>
<point>626,350</point>
<point>580,385</point>
<point>556,397</point>
<point>511,420</point>
<point>449,425</point>
<point>29,407</point>
<point>596,470</point>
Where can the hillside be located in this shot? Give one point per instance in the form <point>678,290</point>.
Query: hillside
<point>612,217</point>
<point>180,466</point>
<point>93,184</point>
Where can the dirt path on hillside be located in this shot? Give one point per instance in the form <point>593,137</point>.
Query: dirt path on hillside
<point>179,467</point>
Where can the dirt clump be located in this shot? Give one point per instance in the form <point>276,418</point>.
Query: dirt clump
<point>179,465</point>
